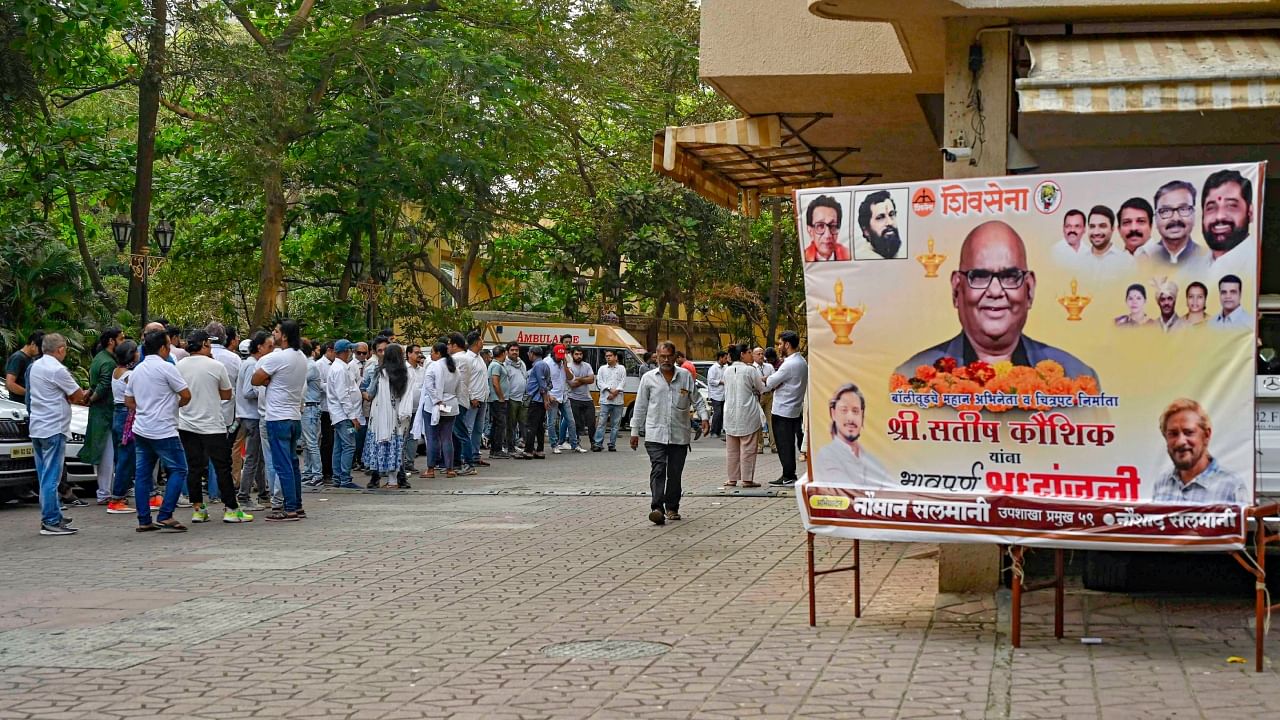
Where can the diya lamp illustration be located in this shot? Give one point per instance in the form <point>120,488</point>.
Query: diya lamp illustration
<point>931,261</point>
<point>1075,303</point>
<point>841,318</point>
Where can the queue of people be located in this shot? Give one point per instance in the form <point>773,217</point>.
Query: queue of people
<point>257,429</point>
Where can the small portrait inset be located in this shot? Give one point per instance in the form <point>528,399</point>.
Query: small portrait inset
<point>1196,477</point>
<point>1135,298</point>
<point>880,237</point>
<point>824,222</point>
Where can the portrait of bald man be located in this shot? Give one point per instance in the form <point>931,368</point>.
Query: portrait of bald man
<point>993,291</point>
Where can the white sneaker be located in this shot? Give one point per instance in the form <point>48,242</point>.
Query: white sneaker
<point>555,451</point>
<point>580,449</point>
<point>565,446</point>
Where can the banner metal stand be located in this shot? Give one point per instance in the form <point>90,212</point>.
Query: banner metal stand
<point>856,568</point>
<point>1019,586</point>
<point>1254,563</point>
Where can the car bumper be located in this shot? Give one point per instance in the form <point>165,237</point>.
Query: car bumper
<point>78,472</point>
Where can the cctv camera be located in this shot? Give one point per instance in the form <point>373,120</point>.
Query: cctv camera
<point>951,154</point>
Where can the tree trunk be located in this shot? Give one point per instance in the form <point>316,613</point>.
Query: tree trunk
<point>775,270</point>
<point>90,265</point>
<point>345,283</point>
<point>148,110</point>
<point>271,276</point>
<point>651,336</point>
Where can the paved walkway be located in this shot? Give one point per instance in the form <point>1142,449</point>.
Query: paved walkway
<point>432,605</point>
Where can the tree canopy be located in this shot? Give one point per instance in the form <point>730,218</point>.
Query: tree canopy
<point>295,143</point>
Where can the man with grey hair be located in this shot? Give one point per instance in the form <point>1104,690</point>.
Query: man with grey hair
<point>661,416</point>
<point>51,390</point>
<point>844,460</point>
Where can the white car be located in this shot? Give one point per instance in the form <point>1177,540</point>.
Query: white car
<point>17,459</point>
<point>77,473</point>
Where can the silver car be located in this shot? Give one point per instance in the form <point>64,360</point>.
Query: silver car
<point>17,459</point>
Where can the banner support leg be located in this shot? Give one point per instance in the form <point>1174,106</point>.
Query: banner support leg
<point>813,608</point>
<point>1015,614</point>
<point>1260,607</point>
<point>857,580</point>
<point>1059,587</point>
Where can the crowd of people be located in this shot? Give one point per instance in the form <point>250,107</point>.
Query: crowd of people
<point>260,421</point>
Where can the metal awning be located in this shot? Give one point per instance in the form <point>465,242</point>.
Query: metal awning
<point>1151,73</point>
<point>734,162</point>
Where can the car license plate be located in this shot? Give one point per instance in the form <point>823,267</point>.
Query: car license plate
<point>21,452</point>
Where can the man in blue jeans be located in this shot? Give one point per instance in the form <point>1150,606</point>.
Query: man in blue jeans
<point>50,391</point>
<point>284,375</point>
<point>342,394</point>
<point>156,390</point>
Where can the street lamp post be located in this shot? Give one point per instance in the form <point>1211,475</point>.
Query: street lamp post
<point>143,265</point>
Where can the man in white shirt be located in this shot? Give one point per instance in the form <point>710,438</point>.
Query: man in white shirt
<point>478,382</point>
<point>765,436</point>
<point>715,391</point>
<point>1232,315</point>
<point>253,474</point>
<point>788,385</point>
<point>343,396</point>
<point>324,362</point>
<point>155,393</point>
<point>284,375</point>
<point>202,430</point>
<point>50,391</point>
<point>611,380</point>
<point>224,337</point>
<point>844,461</point>
<point>1103,259</point>
<point>661,416</point>
<point>467,405</point>
<point>742,389</point>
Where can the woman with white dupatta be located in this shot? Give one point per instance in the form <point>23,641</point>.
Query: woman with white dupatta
<point>389,415</point>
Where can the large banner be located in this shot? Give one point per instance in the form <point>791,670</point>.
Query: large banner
<point>1058,360</point>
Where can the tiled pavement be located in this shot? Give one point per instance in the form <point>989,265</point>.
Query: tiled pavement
<point>434,605</point>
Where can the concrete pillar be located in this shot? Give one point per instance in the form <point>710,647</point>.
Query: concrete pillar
<point>971,567</point>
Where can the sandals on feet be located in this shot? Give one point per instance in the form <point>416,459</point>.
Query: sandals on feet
<point>730,484</point>
<point>428,474</point>
<point>750,484</point>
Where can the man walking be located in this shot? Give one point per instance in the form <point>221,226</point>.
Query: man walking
<point>715,391</point>
<point>203,431</point>
<point>155,393</point>
<point>611,379</point>
<point>343,396</point>
<point>788,385</point>
<point>253,474</point>
<point>50,392</point>
<point>661,417</point>
<point>283,374</point>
